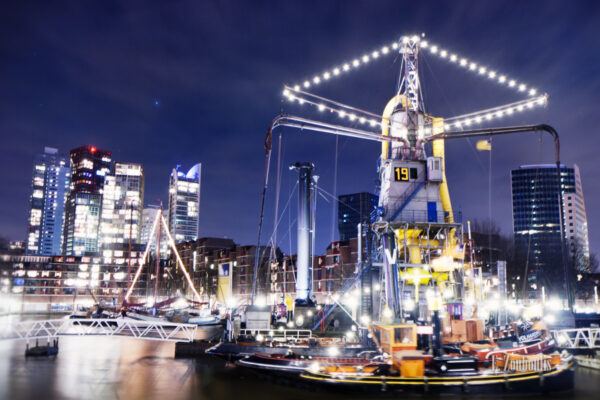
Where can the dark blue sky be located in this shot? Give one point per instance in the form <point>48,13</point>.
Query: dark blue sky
<point>180,82</point>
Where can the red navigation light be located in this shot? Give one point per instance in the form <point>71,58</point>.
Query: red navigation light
<point>93,149</point>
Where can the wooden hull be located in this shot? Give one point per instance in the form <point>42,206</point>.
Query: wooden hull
<point>536,348</point>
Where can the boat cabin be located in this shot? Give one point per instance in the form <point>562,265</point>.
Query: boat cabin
<point>395,337</point>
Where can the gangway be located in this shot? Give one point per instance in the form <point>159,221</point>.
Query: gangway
<point>119,327</point>
<point>579,338</point>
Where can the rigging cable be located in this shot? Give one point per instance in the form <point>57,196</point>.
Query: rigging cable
<point>268,145</point>
<point>335,172</point>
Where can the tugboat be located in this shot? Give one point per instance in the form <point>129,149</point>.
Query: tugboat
<point>411,371</point>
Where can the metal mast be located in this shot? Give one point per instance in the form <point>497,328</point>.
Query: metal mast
<point>410,85</point>
<point>304,249</point>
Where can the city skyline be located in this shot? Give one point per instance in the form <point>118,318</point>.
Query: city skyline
<point>83,94</point>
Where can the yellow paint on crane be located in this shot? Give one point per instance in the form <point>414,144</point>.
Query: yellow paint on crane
<point>414,253</point>
<point>439,151</point>
<point>419,276</point>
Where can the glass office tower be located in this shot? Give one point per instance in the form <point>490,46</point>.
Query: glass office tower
<point>89,168</point>
<point>184,203</point>
<point>537,225</point>
<point>122,203</point>
<point>50,186</point>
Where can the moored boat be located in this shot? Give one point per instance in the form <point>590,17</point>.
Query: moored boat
<point>519,375</point>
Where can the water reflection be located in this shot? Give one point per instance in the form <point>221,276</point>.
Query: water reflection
<point>121,368</point>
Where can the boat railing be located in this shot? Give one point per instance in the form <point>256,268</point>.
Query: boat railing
<point>278,333</point>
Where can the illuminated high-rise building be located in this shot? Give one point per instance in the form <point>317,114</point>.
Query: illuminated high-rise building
<point>50,186</point>
<point>89,168</point>
<point>536,223</point>
<point>122,200</point>
<point>184,203</point>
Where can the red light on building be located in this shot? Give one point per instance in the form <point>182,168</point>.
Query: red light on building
<point>93,149</point>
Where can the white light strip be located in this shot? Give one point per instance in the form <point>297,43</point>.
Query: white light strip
<point>360,116</point>
<point>172,243</point>
<point>517,106</point>
<point>374,120</point>
<point>467,120</point>
<point>143,260</point>
<point>445,54</point>
<point>479,69</point>
<point>348,66</point>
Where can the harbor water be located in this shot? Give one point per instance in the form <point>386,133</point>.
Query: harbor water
<point>123,368</point>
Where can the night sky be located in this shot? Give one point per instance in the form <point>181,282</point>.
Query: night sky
<point>181,82</point>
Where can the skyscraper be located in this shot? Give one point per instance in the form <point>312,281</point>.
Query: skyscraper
<point>576,225</point>
<point>184,203</point>
<point>122,200</point>
<point>50,186</point>
<point>536,223</point>
<point>89,168</point>
<point>353,209</point>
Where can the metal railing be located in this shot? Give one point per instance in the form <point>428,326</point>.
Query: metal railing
<point>278,334</point>
<point>53,328</point>
<point>580,338</point>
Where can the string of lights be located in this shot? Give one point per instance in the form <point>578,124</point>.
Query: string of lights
<point>354,114</point>
<point>478,68</point>
<point>435,49</point>
<point>348,66</point>
<point>489,114</point>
